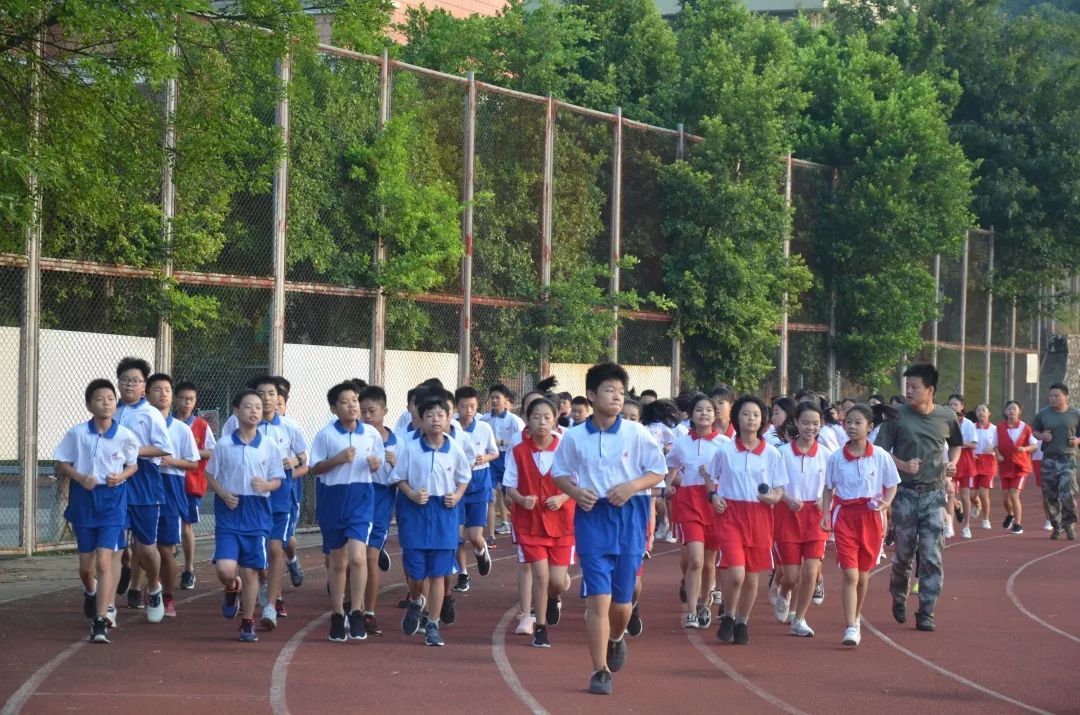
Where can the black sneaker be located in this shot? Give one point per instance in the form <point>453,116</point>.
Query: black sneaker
<point>682,591</point>
<point>410,624</point>
<point>634,626</point>
<point>554,610</point>
<point>384,560</point>
<point>540,638</point>
<point>1016,529</point>
<point>99,631</point>
<point>135,599</point>
<point>616,655</point>
<point>338,632</point>
<point>483,562</point>
<point>448,614</point>
<point>726,631</point>
<point>371,625</point>
<point>125,580</point>
<point>899,611</point>
<point>741,634</point>
<point>924,621</point>
<point>959,511</point>
<point>187,580</point>
<point>600,683</point>
<point>1008,522</point>
<point>357,632</point>
<point>462,584</point>
<point>89,605</point>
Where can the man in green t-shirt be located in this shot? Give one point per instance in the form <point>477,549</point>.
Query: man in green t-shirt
<point>1058,426</point>
<point>917,442</point>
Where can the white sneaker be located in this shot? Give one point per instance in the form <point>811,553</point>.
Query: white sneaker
<point>975,511</point>
<point>671,538</point>
<point>773,593</point>
<point>661,533</point>
<point>1047,526</point>
<point>949,533</point>
<point>781,608</point>
<point>502,528</point>
<point>716,597</point>
<point>966,532</point>
<point>690,620</point>
<point>852,636</point>
<point>110,616</point>
<point>819,593</point>
<point>525,625</point>
<point>269,618</point>
<point>985,524</point>
<point>801,628</point>
<point>155,606</point>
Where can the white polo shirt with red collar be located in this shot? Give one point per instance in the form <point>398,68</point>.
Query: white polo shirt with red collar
<point>860,477</point>
<point>738,471</point>
<point>805,470</point>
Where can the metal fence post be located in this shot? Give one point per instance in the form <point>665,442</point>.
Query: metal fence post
<point>963,311</point>
<point>989,314</point>
<point>377,355</point>
<point>546,218</point>
<point>163,347</point>
<point>616,228</point>
<point>830,361</point>
<point>676,344</point>
<point>281,210</point>
<point>465,330</point>
<point>29,346</point>
<point>787,254</point>
<point>934,327</point>
<point>1012,353</point>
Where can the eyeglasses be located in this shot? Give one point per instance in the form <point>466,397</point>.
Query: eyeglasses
<point>131,381</point>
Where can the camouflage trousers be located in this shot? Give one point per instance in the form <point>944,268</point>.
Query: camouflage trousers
<point>1059,489</point>
<point>917,517</point>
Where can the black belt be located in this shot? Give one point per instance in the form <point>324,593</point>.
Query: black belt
<point>921,488</point>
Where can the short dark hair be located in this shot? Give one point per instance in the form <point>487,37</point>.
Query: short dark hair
<point>863,409</point>
<point>431,401</point>
<point>1060,386</point>
<point>158,377</point>
<point>604,371</point>
<point>284,387</point>
<point>466,392</point>
<point>359,382</point>
<point>334,392</point>
<point>876,396</point>
<point>133,363</point>
<point>542,400</point>
<point>501,389</point>
<point>239,397</point>
<point>754,400</point>
<point>263,380</point>
<point>723,393</point>
<point>896,400</point>
<point>99,384</point>
<point>581,400</point>
<point>956,396</point>
<point>432,382</point>
<point>663,410</point>
<point>925,372</point>
<point>565,396</point>
<point>185,386</point>
<point>852,400</point>
<point>374,393</point>
<point>649,393</point>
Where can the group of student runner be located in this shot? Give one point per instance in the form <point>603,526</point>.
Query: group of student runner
<point>746,489</point>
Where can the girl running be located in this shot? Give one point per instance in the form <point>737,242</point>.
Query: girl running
<point>1015,443</point>
<point>985,464</point>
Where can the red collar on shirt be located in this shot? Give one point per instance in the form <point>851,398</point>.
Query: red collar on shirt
<point>851,457</point>
<point>550,448</point>
<point>730,431</point>
<point>799,453</point>
<point>710,436</point>
<point>742,447</point>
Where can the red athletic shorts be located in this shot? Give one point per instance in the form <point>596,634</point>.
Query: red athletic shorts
<point>798,534</point>
<point>1016,483</point>
<point>557,551</point>
<point>744,533</point>
<point>985,469</point>
<point>858,532</point>
<point>964,482</point>
<point>694,516</point>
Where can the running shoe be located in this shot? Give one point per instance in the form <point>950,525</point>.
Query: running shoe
<point>357,631</point>
<point>187,580</point>
<point>99,631</point>
<point>524,625</point>
<point>600,683</point>
<point>135,599</point>
<point>338,628</point>
<point>462,584</point>
<point>1008,522</point>
<point>279,606</point>
<point>448,613</point>
<point>540,638</point>
<point>155,606</point>
<point>1016,529</point>
<point>554,610</point>
<point>819,593</point>
<point>230,606</point>
<point>616,654</point>
<point>801,628</point>
<point>384,560</point>
<point>89,605</point>
<point>170,606</point>
<point>690,620</point>
<point>781,608</point>
<point>634,626</point>
<point>296,572</point>
<point>432,637</point>
<point>247,631</point>
<point>410,624</point>
<point>741,634</point>
<point>371,625</point>
<point>483,562</point>
<point>704,616</point>
<point>852,636</point>
<point>269,618</point>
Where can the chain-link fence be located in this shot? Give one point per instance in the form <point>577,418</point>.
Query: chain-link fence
<point>351,216</point>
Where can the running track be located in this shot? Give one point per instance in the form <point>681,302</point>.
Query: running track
<point>1008,640</point>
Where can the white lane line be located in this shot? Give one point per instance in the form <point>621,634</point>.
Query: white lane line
<point>937,668</point>
<point>723,667</point>
<point>1009,589</point>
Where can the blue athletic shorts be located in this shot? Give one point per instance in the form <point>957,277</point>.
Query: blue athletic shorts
<point>89,538</point>
<point>247,550</point>
<point>293,522</point>
<point>337,538</point>
<point>144,520</point>
<point>613,574</point>
<point>280,530</point>
<point>474,514</point>
<point>429,563</point>
<point>191,514</point>
<point>168,531</point>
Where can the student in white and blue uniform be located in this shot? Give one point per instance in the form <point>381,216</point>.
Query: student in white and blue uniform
<point>609,466</point>
<point>98,457</point>
<point>242,472</point>
<point>373,413</point>
<point>346,455</point>
<point>146,491</point>
<point>478,440</point>
<point>505,424</point>
<point>432,474</point>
